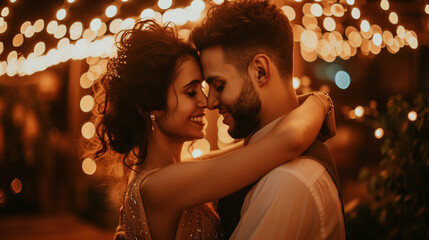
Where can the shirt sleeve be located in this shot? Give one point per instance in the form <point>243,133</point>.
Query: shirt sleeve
<point>280,206</point>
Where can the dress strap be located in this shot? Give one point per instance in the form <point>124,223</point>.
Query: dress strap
<point>133,215</point>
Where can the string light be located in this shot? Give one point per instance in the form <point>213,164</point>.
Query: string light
<point>164,4</point>
<point>359,111</point>
<point>379,133</point>
<point>89,166</point>
<point>377,39</point>
<point>316,10</point>
<point>329,24</point>
<point>289,12</point>
<point>88,130</point>
<point>61,14</point>
<point>5,12</point>
<point>111,11</point>
<point>39,25</point>
<point>384,4</point>
<point>350,2</point>
<point>393,18</point>
<point>327,49</point>
<point>87,103</point>
<point>342,79</point>
<point>16,186</point>
<point>296,82</point>
<point>95,24</point>
<point>412,116</point>
<point>364,26</point>
<point>356,13</point>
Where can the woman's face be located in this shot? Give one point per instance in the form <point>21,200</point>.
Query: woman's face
<point>184,118</point>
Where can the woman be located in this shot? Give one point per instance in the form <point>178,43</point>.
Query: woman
<point>149,103</point>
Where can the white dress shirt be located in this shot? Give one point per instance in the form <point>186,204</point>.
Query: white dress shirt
<point>297,200</point>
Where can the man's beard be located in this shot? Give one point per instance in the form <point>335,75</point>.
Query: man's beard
<point>245,111</point>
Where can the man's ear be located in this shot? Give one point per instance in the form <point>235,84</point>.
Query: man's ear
<point>259,68</point>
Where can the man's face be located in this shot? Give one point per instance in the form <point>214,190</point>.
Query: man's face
<point>233,94</point>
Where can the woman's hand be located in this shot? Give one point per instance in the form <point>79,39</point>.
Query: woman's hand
<point>328,129</point>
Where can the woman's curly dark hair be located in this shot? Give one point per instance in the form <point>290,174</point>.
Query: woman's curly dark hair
<point>136,83</point>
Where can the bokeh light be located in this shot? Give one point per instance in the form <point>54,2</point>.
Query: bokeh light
<point>111,11</point>
<point>197,153</point>
<point>18,40</point>
<point>87,103</point>
<point>296,82</point>
<point>164,4</point>
<point>384,4</point>
<point>316,10</point>
<point>342,79</point>
<point>39,48</point>
<point>329,24</point>
<point>356,13</point>
<point>350,2</point>
<point>147,13</point>
<point>337,10</point>
<point>393,18</point>
<point>412,116</point>
<point>377,39</point>
<point>39,25</point>
<point>89,166</point>
<point>289,12</point>
<point>16,186</point>
<point>88,130</point>
<point>76,30</point>
<point>5,12</point>
<point>379,133</point>
<point>95,24</point>
<point>61,14</point>
<point>115,25</point>
<point>359,111</point>
<point>52,27</point>
<point>218,2</point>
<point>364,26</point>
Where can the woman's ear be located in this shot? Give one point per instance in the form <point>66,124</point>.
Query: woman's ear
<point>259,68</point>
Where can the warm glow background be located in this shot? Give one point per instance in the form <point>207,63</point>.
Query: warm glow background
<point>51,52</point>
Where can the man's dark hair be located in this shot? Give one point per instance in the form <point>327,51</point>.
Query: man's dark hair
<point>244,29</point>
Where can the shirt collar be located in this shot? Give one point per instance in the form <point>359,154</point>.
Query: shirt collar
<point>262,132</point>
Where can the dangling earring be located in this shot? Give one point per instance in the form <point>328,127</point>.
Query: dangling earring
<point>153,118</point>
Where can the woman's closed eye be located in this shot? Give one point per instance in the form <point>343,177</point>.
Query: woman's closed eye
<point>191,93</point>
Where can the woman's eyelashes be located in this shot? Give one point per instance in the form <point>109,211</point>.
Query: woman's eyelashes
<point>191,93</point>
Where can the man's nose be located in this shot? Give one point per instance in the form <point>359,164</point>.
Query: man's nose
<point>212,100</point>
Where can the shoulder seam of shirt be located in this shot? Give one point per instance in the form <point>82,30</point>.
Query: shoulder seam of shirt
<point>310,187</point>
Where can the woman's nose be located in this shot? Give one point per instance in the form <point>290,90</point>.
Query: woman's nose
<point>202,101</point>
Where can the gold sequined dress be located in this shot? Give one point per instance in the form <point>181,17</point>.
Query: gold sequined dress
<point>200,222</point>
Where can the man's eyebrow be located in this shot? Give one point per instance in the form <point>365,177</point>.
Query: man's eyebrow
<point>196,81</point>
<point>210,79</point>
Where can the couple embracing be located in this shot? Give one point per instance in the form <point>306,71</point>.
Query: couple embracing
<point>279,183</point>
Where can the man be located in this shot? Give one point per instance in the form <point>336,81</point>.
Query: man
<point>246,51</point>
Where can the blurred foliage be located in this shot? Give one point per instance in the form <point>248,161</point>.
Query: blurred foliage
<point>398,188</point>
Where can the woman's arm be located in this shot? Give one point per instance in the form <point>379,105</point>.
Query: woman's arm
<point>220,152</point>
<point>180,186</point>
